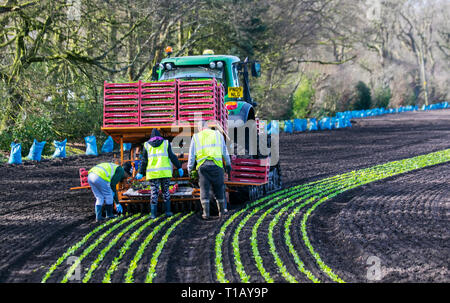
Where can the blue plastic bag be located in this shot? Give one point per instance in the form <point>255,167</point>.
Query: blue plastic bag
<point>15,157</point>
<point>36,150</point>
<point>300,125</point>
<point>127,146</point>
<point>312,124</point>
<point>288,127</point>
<point>325,123</point>
<point>91,146</point>
<point>60,149</point>
<point>108,146</point>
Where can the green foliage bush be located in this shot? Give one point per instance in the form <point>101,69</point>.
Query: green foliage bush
<point>301,98</point>
<point>363,97</point>
<point>382,97</point>
<point>35,126</point>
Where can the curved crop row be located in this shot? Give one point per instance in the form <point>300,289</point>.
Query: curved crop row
<point>111,243</point>
<point>299,196</point>
<point>115,263</point>
<point>133,264</point>
<point>273,198</point>
<point>327,188</point>
<point>294,193</point>
<point>152,269</point>
<point>384,171</point>
<point>89,249</point>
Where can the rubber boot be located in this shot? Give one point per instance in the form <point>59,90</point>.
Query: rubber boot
<point>153,209</point>
<point>221,207</point>
<point>109,211</point>
<point>168,212</point>
<point>98,213</point>
<point>205,206</point>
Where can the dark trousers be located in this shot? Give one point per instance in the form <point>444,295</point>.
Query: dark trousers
<point>155,184</point>
<point>211,175</point>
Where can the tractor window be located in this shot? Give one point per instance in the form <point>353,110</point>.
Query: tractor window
<point>192,72</point>
<point>235,76</point>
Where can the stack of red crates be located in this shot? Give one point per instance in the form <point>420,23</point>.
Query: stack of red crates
<point>223,112</point>
<point>161,103</point>
<point>83,177</point>
<point>197,100</point>
<point>158,103</point>
<point>121,105</point>
<point>249,170</point>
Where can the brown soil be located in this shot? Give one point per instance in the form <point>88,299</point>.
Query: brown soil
<point>402,220</point>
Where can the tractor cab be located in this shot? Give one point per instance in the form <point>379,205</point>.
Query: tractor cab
<point>227,70</point>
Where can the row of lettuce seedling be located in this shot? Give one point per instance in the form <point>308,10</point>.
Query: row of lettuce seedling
<point>257,205</point>
<point>323,190</point>
<point>133,221</point>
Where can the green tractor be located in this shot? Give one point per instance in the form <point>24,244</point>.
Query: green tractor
<point>226,69</point>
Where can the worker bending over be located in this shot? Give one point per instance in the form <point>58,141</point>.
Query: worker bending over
<point>208,149</point>
<point>103,179</point>
<point>156,164</point>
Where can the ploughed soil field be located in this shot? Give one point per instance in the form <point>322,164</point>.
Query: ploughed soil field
<point>363,204</point>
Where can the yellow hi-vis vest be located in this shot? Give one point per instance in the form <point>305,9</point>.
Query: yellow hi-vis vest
<point>104,170</point>
<point>158,165</point>
<point>208,146</point>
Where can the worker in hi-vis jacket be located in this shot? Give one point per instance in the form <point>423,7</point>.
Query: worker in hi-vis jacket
<point>157,160</point>
<point>208,150</point>
<point>103,179</point>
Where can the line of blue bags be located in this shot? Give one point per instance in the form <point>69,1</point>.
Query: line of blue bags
<point>37,147</point>
<point>35,152</point>
<point>342,119</point>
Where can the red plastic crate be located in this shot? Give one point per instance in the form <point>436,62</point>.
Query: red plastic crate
<point>83,177</point>
<point>121,104</point>
<point>198,100</point>
<point>249,170</point>
<point>158,103</point>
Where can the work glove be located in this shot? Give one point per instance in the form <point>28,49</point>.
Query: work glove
<point>180,172</point>
<point>119,208</point>
<point>139,177</point>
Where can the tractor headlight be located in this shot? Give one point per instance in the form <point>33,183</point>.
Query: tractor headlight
<point>212,65</point>
<point>168,66</point>
<point>161,66</point>
<point>219,64</point>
